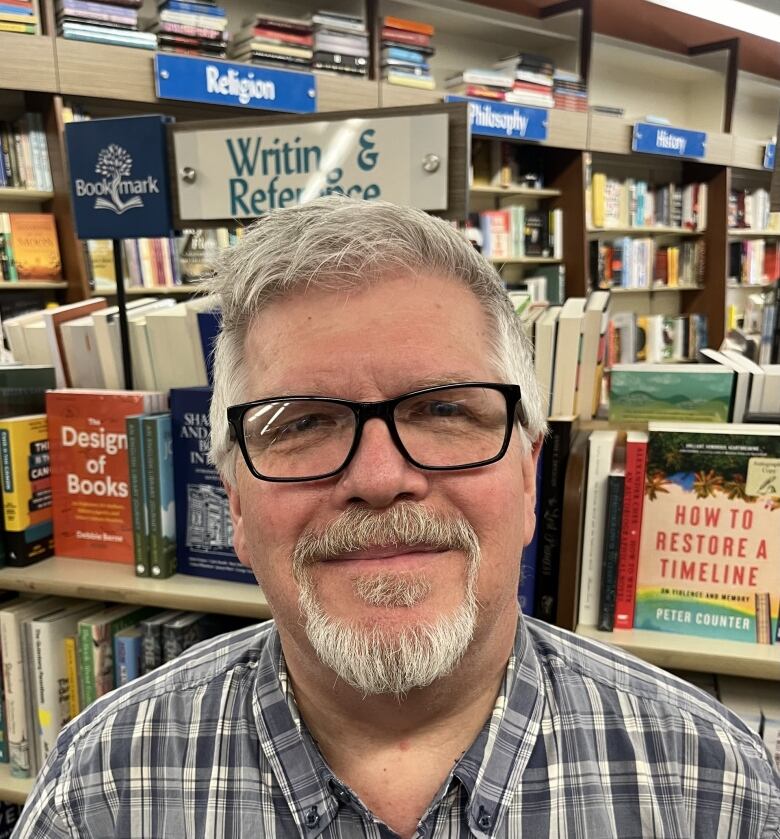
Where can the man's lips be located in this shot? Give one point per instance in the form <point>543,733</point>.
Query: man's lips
<point>390,553</point>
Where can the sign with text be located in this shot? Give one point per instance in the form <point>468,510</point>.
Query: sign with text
<point>192,79</point>
<point>119,177</point>
<point>247,170</point>
<point>501,119</point>
<point>770,150</point>
<point>650,138</point>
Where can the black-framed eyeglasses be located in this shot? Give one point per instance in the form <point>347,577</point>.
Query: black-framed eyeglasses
<point>307,438</point>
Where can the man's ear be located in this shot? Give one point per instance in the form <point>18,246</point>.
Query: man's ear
<point>530,465</point>
<point>239,534</point>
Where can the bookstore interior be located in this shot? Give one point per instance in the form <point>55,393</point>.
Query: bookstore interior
<point>613,159</point>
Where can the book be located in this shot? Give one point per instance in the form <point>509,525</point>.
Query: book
<point>26,489</point>
<point>54,320</point>
<point>158,473</point>
<point>567,356</point>
<point>591,362</point>
<point>88,449</point>
<point>545,332</point>
<point>204,530</point>
<point>710,529</point>
<point>612,529</point>
<point>75,692</point>
<point>127,655</point>
<point>23,388</point>
<point>152,639</point>
<point>96,646</point>
<point>684,392</point>
<point>631,528</point>
<point>36,249</point>
<point>136,465</point>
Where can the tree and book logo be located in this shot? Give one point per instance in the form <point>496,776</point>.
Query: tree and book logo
<point>115,164</point>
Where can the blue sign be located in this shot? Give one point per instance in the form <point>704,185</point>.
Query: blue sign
<point>500,119</point>
<point>192,79</point>
<point>671,142</point>
<point>770,150</point>
<point>119,177</point>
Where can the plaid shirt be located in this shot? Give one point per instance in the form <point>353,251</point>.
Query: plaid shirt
<point>583,742</point>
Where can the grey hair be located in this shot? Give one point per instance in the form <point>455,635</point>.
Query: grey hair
<point>337,243</point>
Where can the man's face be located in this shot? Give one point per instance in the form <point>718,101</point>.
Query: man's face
<point>392,337</point>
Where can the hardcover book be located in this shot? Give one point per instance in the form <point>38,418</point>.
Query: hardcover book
<point>158,471</point>
<point>92,508</point>
<point>35,246</point>
<point>26,489</point>
<point>204,530</point>
<point>710,536</point>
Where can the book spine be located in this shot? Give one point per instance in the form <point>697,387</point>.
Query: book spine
<point>3,727</point>
<point>71,663</point>
<point>86,666</point>
<point>615,492</point>
<point>50,687</point>
<point>152,473</point>
<point>135,457</point>
<point>628,562</point>
<point>127,651</point>
<point>31,698</point>
<point>13,684</point>
<point>151,648</point>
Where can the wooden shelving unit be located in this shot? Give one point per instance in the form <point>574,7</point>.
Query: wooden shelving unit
<point>748,233</point>
<point>596,232</point>
<point>170,291</point>
<point>528,260</point>
<point>656,289</point>
<point>27,196</point>
<point>116,582</point>
<point>13,789</point>
<point>27,63</point>
<point>514,191</point>
<point>30,285</point>
<point>690,652</point>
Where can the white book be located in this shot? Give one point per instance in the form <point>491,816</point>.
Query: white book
<point>19,723</point>
<point>14,331</point>
<point>53,319</point>
<point>174,341</point>
<point>594,325</point>
<point>741,385</point>
<point>37,341</point>
<point>50,696</point>
<point>545,330</point>
<point>567,353</point>
<point>601,446</point>
<point>81,353</point>
<point>770,398</point>
<point>755,400</point>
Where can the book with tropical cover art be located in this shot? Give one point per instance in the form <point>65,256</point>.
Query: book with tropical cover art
<point>710,545</point>
<point>36,249</point>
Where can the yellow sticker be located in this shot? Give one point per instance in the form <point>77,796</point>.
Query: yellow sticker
<point>763,476</point>
<point>44,717</point>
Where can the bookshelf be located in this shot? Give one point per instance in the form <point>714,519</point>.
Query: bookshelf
<point>117,582</point>
<point>528,260</point>
<point>747,233</point>
<point>606,232</point>
<point>28,63</point>
<point>656,289</point>
<point>31,285</point>
<point>688,652</point>
<point>514,191</point>
<point>26,196</point>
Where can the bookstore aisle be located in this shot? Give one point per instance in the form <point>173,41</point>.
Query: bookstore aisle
<point>618,177</point>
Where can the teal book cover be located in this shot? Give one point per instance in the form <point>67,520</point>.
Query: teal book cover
<point>158,455</point>
<point>670,392</point>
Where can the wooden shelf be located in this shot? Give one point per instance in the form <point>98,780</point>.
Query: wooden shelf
<point>748,287</point>
<point>690,652</point>
<point>28,63</point>
<point>749,233</point>
<point>117,582</point>
<point>654,290</point>
<point>528,260</point>
<point>643,231</point>
<point>13,789</point>
<point>31,196</point>
<point>521,191</point>
<point>30,285</point>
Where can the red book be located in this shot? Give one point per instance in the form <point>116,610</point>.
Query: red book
<point>286,37</point>
<point>90,471</point>
<point>631,528</point>
<point>404,37</point>
<point>409,25</point>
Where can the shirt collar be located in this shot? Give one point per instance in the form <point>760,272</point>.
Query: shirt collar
<point>490,770</point>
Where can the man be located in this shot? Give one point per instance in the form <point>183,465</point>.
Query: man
<point>379,458</point>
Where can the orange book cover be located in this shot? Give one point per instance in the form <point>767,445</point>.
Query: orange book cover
<point>89,471</point>
<point>35,247</point>
<point>409,25</point>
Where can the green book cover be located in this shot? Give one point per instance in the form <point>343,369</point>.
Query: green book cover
<point>158,459</point>
<point>135,459</point>
<point>671,392</point>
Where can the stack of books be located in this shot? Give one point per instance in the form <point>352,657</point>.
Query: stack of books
<point>516,233</point>
<point>532,79</point>
<point>340,43</point>
<point>192,27</point>
<point>103,23</point>
<point>275,42</point>
<point>18,16</point>
<point>570,92</point>
<point>406,51</point>
<point>628,262</point>
<point>481,83</point>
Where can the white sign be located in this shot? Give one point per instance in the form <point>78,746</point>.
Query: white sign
<point>243,172</point>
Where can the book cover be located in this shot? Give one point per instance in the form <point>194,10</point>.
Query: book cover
<point>127,655</point>
<point>670,392</point>
<point>36,249</point>
<point>54,319</point>
<point>152,643</point>
<point>26,489</point>
<point>204,530</point>
<point>710,530</point>
<point>88,447</point>
<point>138,502</point>
<point>158,471</point>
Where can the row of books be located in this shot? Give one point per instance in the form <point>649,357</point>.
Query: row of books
<point>275,41</point>
<point>631,262</point>
<point>406,53</point>
<point>614,202</point>
<point>169,342</point>
<point>681,531</point>
<point>103,22</point>
<point>750,209</point>
<point>516,233</point>
<point>29,249</point>
<point>191,27</point>
<point>61,654</point>
<point>758,335</point>
<point>20,16</point>
<point>24,157</point>
<point>754,261</point>
<point>570,92</point>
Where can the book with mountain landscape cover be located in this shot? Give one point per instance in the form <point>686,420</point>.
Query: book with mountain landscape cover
<point>711,531</point>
